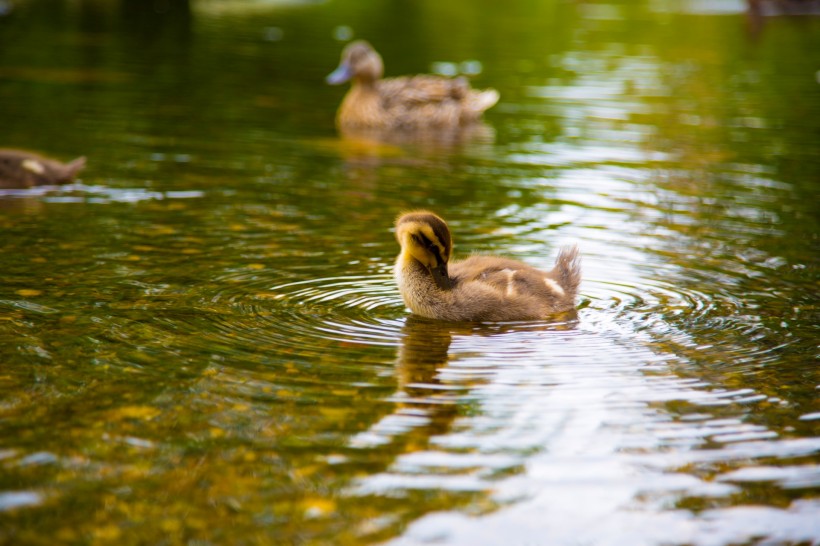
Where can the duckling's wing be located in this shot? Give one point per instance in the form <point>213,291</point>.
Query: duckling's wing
<point>508,278</point>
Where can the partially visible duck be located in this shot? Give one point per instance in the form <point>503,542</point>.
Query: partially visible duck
<point>409,102</point>
<point>480,288</point>
<point>19,169</point>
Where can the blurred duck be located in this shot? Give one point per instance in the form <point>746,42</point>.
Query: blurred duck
<point>19,169</point>
<point>410,102</point>
<point>480,288</point>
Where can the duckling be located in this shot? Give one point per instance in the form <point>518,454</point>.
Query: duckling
<point>480,288</point>
<point>409,102</point>
<point>19,169</point>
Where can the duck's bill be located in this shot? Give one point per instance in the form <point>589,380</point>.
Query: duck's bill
<point>440,276</point>
<point>340,75</point>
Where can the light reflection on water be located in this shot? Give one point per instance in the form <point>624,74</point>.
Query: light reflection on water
<point>593,436</point>
<point>580,405</point>
<point>80,193</point>
<point>572,411</point>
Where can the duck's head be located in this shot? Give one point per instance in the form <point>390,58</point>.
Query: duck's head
<point>425,237</point>
<point>359,61</point>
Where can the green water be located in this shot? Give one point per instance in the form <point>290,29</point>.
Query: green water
<point>201,341</point>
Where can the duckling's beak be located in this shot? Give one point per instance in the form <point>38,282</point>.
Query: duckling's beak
<point>440,276</point>
<point>340,75</point>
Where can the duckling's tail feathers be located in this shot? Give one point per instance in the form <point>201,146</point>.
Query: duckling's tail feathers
<point>568,269</point>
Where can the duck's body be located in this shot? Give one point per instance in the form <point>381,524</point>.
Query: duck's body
<point>411,102</point>
<point>480,288</point>
<point>20,169</point>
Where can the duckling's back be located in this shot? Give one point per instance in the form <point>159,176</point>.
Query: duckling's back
<point>498,289</point>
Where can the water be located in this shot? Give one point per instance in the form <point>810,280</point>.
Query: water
<point>202,342</point>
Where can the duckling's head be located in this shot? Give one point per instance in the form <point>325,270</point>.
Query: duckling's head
<point>425,237</point>
<point>360,61</point>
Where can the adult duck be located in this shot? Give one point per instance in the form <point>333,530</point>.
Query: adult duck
<point>409,102</point>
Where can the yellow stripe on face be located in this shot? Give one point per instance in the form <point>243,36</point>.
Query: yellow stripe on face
<point>427,231</point>
<point>425,237</point>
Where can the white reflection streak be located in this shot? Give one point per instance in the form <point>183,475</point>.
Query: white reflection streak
<point>600,455</point>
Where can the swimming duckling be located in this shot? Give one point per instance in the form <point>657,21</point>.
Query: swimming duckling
<point>19,169</point>
<point>410,102</point>
<point>480,288</point>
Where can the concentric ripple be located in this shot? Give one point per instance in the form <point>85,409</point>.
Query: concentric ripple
<point>655,302</point>
<point>254,309</point>
<point>250,310</point>
<point>688,319</point>
<point>366,293</point>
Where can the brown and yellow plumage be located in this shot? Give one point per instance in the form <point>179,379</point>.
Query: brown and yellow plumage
<point>480,288</point>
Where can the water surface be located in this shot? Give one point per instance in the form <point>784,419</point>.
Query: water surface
<point>201,341</point>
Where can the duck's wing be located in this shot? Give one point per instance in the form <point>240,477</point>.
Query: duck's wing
<point>421,90</point>
<point>434,100</point>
